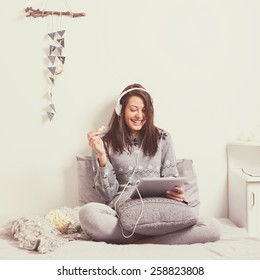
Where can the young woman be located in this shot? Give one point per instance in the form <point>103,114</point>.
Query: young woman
<point>132,148</point>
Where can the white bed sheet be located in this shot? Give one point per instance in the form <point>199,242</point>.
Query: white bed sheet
<point>234,244</point>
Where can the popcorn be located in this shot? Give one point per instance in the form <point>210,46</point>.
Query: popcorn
<point>102,129</point>
<point>58,220</point>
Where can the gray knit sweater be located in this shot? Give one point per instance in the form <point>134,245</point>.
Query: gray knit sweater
<point>128,168</point>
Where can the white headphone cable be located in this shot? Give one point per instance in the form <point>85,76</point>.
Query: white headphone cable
<point>142,202</point>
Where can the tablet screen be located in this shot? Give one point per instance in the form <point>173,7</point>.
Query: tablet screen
<point>153,186</point>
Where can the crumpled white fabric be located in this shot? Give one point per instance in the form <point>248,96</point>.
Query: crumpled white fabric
<point>39,234</point>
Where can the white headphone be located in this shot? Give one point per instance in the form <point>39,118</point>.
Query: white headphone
<point>118,106</point>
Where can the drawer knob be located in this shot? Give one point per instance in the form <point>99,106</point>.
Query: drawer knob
<point>253,199</point>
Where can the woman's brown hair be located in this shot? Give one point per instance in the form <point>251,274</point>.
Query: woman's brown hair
<point>119,135</point>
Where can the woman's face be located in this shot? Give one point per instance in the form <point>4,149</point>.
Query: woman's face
<point>135,114</point>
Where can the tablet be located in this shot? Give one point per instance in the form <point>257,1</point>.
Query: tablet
<point>156,186</point>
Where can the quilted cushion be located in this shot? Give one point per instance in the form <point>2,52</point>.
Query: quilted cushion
<point>155,215</point>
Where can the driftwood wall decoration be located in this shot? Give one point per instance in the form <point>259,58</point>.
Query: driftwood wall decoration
<point>55,52</point>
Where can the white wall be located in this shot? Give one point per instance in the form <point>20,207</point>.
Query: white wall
<point>200,60</point>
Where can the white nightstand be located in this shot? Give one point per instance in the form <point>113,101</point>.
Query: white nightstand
<point>244,185</point>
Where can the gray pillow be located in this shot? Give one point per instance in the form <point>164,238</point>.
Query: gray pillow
<point>191,189</point>
<point>87,192</point>
<point>158,215</point>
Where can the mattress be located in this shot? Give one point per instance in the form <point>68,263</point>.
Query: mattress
<point>235,244</point>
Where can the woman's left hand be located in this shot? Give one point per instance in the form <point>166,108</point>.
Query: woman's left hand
<point>177,194</point>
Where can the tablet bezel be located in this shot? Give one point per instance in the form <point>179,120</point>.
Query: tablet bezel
<point>156,186</point>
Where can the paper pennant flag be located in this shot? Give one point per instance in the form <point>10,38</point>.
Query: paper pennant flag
<point>52,49</point>
<point>52,70</point>
<point>61,32</point>
<point>62,59</point>
<point>52,59</point>
<point>61,42</point>
<point>52,80</point>
<point>50,115</point>
<point>52,107</point>
<point>52,35</point>
<point>59,50</point>
<point>59,70</point>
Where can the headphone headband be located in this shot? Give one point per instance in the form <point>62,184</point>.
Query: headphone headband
<point>118,106</point>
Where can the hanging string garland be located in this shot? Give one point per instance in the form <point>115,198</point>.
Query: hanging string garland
<point>56,47</point>
<point>56,60</point>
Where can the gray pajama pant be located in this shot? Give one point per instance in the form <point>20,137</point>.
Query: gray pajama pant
<point>101,223</point>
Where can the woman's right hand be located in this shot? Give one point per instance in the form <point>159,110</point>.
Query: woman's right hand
<point>95,142</point>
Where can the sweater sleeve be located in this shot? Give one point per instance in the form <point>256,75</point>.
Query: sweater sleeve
<point>105,182</point>
<point>168,159</point>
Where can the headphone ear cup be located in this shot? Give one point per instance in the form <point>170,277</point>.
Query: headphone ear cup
<point>118,108</point>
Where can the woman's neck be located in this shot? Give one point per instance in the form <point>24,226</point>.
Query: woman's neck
<point>134,135</point>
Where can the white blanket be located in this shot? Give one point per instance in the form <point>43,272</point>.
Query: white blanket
<point>45,234</point>
<point>235,244</point>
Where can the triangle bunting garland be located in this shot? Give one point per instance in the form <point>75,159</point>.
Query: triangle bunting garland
<point>62,59</point>
<point>50,115</point>
<point>54,56</point>
<point>52,35</point>
<point>52,59</point>
<point>52,49</point>
<point>55,65</point>
<point>61,42</point>
<point>52,70</point>
<point>59,50</point>
<point>52,107</point>
<point>51,112</point>
<point>61,32</point>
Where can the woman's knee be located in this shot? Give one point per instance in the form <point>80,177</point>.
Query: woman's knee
<point>89,212</point>
<point>84,212</point>
<point>95,218</point>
